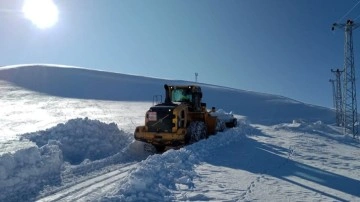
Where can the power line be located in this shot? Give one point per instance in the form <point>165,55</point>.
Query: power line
<point>357,17</point>
<point>350,116</point>
<point>348,12</point>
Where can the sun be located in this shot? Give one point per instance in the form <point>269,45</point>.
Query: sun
<point>43,13</point>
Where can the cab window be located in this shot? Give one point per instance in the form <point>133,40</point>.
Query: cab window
<point>181,95</point>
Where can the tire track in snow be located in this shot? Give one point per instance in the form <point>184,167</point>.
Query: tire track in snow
<point>78,191</point>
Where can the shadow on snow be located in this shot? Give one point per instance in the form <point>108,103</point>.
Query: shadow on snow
<point>260,158</point>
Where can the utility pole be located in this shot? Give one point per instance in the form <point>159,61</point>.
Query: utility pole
<point>350,116</point>
<point>332,81</point>
<point>337,96</point>
<point>196,77</point>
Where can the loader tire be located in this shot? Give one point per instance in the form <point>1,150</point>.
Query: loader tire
<point>195,132</point>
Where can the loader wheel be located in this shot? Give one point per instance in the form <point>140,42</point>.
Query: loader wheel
<point>195,132</point>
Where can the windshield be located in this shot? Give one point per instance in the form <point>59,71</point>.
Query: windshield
<point>181,95</point>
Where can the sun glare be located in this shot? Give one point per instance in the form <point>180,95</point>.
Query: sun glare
<point>43,13</point>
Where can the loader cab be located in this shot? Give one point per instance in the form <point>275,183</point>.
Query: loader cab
<point>190,95</point>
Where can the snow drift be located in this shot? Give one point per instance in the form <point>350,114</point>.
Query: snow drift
<point>83,83</point>
<point>81,139</point>
<point>28,170</point>
<point>25,172</point>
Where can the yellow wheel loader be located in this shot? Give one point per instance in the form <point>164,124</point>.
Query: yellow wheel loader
<point>182,119</point>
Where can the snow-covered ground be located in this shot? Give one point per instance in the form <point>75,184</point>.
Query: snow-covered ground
<point>66,135</point>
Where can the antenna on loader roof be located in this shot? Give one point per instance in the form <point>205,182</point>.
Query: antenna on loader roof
<point>196,77</point>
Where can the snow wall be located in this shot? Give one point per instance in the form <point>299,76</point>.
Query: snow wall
<point>25,172</point>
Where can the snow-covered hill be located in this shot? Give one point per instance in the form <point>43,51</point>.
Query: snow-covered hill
<point>66,135</point>
<point>83,83</point>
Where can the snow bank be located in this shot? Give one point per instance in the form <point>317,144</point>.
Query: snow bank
<point>81,139</point>
<point>156,177</point>
<point>24,173</point>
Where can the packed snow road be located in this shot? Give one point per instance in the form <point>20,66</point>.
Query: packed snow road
<point>91,188</point>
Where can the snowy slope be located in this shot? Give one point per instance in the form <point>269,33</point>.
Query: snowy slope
<point>79,146</point>
<point>89,84</point>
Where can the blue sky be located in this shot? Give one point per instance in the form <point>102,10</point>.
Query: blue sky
<point>283,47</point>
